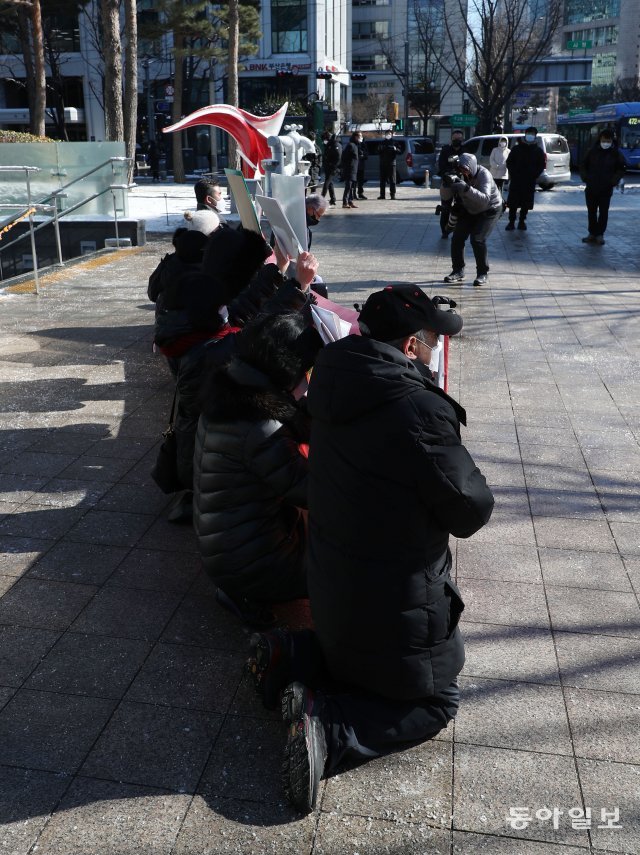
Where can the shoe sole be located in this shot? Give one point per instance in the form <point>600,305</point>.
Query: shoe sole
<point>299,767</point>
<point>263,669</point>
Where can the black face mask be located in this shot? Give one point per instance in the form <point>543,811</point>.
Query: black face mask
<point>312,220</point>
<point>456,143</point>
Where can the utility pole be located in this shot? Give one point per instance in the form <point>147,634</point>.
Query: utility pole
<point>151,110</point>
<point>405,124</point>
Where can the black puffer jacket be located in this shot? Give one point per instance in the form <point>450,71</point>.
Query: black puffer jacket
<point>601,169</point>
<point>389,481</point>
<point>250,482</point>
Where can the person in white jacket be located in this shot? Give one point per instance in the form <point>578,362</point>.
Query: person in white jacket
<point>498,162</point>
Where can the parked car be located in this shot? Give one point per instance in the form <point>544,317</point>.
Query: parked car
<point>556,154</point>
<point>417,154</point>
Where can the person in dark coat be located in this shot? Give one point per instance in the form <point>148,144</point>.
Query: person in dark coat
<point>445,167</point>
<point>331,155</point>
<point>389,482</point>
<point>601,169</point>
<point>362,158</point>
<point>525,163</point>
<point>349,165</point>
<point>250,475</point>
<point>387,152</point>
<point>154,160</point>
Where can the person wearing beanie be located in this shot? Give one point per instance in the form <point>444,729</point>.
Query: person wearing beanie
<point>389,482</point>
<point>601,169</point>
<point>478,205</point>
<point>525,163</point>
<point>205,221</point>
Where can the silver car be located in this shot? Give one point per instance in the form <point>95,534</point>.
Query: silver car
<point>556,154</point>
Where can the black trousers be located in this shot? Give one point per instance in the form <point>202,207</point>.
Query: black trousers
<point>478,227</point>
<point>327,187</point>
<point>598,210</point>
<point>388,174</point>
<point>360,183</point>
<point>361,724</point>
<point>349,191</point>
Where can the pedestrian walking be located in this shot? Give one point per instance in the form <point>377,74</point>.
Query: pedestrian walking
<point>454,149</point>
<point>387,152</point>
<point>601,169</point>
<point>315,159</point>
<point>478,205</point>
<point>362,157</point>
<point>331,154</point>
<point>498,163</point>
<point>525,163</point>
<point>349,165</point>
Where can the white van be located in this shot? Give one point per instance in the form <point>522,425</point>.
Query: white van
<point>557,158</point>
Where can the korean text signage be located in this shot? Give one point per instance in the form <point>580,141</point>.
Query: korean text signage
<point>464,120</point>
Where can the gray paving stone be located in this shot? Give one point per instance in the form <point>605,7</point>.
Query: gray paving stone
<point>105,818</point>
<point>627,538</point>
<point>224,826</point>
<point>509,653</point>
<point>21,648</point>
<point>190,677</point>
<point>6,693</point>
<point>133,499</point>
<point>36,463</point>
<point>413,785</point>
<point>366,836</point>
<point>157,570</point>
<point>90,665</point>
<point>590,535</point>
<point>48,731</point>
<point>154,746</point>
<point>604,725</point>
<point>507,528</point>
<point>127,613</point>
<point>607,786</point>
<point>70,561</point>
<point>40,521</point>
<point>465,843</point>
<point>599,662</point>
<point>19,488</point>
<point>546,436</point>
<point>110,528</point>
<point>497,561</point>
<point>40,603</point>
<point>18,554</point>
<point>88,467</point>
<point>509,714</point>
<point>570,568</point>
<point>27,798</point>
<point>575,504</point>
<point>592,611</point>
<point>500,602</point>
<point>491,781</point>
<point>165,535</point>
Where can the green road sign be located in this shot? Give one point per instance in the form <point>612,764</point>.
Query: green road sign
<point>585,44</point>
<point>463,119</point>
<point>577,111</point>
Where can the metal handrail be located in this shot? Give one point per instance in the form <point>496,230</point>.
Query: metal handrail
<point>58,214</point>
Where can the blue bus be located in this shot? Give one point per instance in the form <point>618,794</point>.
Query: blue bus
<point>582,129</point>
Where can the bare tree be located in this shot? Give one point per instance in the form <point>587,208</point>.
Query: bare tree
<point>232,71</point>
<point>112,53</point>
<point>130,81</point>
<point>371,108</point>
<point>504,41</point>
<point>26,17</point>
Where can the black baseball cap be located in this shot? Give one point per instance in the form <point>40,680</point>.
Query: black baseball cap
<point>401,310</point>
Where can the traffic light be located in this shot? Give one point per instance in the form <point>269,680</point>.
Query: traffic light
<point>399,126</point>
<point>323,75</point>
<point>358,76</point>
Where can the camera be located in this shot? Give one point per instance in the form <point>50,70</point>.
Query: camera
<point>449,179</point>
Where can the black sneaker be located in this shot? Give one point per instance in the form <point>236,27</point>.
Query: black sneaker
<point>510,226</point>
<point>332,202</point>
<point>522,226</point>
<point>270,664</point>
<point>305,753</point>
<point>362,197</point>
<point>481,279</point>
<point>589,239</point>
<point>381,197</point>
<point>254,615</point>
<point>455,276</point>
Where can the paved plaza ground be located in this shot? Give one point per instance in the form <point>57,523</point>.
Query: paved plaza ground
<point>126,723</point>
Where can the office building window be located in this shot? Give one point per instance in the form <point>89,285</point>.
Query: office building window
<point>370,30</point>
<point>288,26</point>
<point>583,11</point>
<point>377,62</point>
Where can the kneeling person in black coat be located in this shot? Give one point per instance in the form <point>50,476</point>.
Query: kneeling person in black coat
<point>389,481</point>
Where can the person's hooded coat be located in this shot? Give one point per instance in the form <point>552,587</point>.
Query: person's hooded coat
<point>389,482</point>
<point>250,482</point>
<point>498,160</point>
<point>480,193</point>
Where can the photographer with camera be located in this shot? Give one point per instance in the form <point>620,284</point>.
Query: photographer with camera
<point>478,205</point>
<point>447,155</point>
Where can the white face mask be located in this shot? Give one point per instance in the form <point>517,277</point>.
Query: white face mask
<point>502,144</point>
<point>605,145</point>
<point>435,357</point>
<point>388,136</point>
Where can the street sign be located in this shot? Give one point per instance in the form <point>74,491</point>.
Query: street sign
<point>577,111</point>
<point>584,44</point>
<point>463,119</point>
